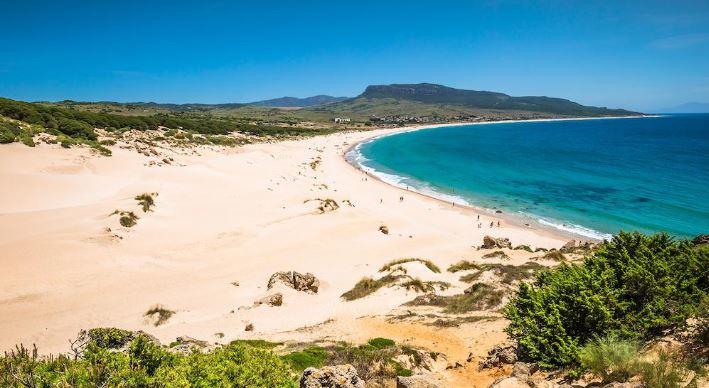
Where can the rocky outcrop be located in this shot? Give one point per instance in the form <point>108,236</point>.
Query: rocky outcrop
<point>339,376</point>
<point>701,239</point>
<point>491,242</point>
<point>416,381</point>
<point>270,300</point>
<point>295,280</point>
<point>498,356</point>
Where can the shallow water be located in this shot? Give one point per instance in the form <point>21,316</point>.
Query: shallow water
<point>591,177</point>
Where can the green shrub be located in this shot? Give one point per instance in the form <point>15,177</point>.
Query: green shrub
<point>109,337</point>
<point>309,357</point>
<point>610,358</point>
<point>146,364</point>
<point>9,132</point>
<point>634,286</point>
<point>381,343</point>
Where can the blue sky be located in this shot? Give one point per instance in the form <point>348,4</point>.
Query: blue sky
<point>633,54</point>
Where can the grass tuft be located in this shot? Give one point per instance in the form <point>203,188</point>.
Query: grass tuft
<point>160,313</point>
<point>428,263</point>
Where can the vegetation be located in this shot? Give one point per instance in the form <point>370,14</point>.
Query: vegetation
<point>368,285</point>
<point>146,364</point>
<point>610,358</point>
<point>127,219</point>
<point>509,274</point>
<point>463,266</point>
<point>479,296</point>
<point>381,343</point>
<point>633,287</point>
<point>325,205</point>
<point>496,255</point>
<point>313,356</point>
<point>419,285</point>
<point>146,201</point>
<point>428,263</point>
<point>160,314</point>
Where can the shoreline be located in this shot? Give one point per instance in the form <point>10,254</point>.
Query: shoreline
<point>541,225</point>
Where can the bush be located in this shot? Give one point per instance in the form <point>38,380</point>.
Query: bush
<point>634,286</point>
<point>310,357</point>
<point>147,364</point>
<point>610,358</point>
<point>381,343</point>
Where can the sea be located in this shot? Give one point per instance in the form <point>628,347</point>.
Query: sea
<point>590,177</point>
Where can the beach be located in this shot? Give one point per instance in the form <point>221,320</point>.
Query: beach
<point>225,220</point>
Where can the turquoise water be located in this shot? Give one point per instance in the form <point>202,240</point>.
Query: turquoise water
<point>591,177</point>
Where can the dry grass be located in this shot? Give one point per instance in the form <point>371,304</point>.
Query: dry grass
<point>428,263</point>
<point>368,285</point>
<point>479,296</point>
<point>325,205</point>
<point>554,255</point>
<point>509,274</point>
<point>146,201</point>
<point>419,285</point>
<point>496,255</point>
<point>159,313</point>
<point>463,266</point>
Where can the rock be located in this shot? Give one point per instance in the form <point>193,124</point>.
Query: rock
<point>509,382</point>
<point>454,365</point>
<point>701,239</point>
<point>185,345</point>
<point>249,327</point>
<point>523,370</point>
<point>339,376</point>
<point>384,229</point>
<point>623,385</point>
<point>499,355</point>
<point>491,242</point>
<point>270,300</point>
<point>295,280</point>
<point>416,381</point>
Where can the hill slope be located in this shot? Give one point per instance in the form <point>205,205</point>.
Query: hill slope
<point>295,102</point>
<point>432,98</point>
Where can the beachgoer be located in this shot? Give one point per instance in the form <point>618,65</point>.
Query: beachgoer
<point>498,224</point>
<point>492,224</point>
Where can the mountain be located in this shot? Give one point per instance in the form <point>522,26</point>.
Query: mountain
<point>431,95</point>
<point>690,107</point>
<point>295,102</point>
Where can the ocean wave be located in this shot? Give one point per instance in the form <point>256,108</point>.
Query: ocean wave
<point>576,229</point>
<point>355,157</point>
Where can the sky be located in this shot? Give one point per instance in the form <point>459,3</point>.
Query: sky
<point>641,55</point>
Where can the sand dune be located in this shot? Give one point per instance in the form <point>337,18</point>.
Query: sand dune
<point>225,216</point>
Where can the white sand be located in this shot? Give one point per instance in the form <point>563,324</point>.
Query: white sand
<point>230,215</point>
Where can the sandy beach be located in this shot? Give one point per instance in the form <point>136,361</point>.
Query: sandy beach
<point>225,220</point>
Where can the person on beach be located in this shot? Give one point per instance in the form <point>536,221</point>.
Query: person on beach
<point>478,217</point>
<point>492,224</point>
<point>401,199</point>
<point>498,224</point>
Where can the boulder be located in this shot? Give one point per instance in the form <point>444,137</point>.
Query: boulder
<point>416,381</point>
<point>270,300</point>
<point>295,280</point>
<point>339,376</point>
<point>510,382</point>
<point>491,242</point>
<point>523,370</point>
<point>249,327</point>
<point>498,356</point>
<point>701,239</point>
